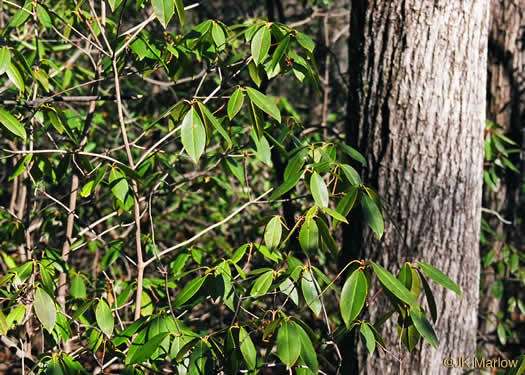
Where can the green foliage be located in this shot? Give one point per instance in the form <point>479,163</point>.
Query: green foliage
<point>147,225</point>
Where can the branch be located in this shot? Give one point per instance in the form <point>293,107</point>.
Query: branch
<point>204,231</point>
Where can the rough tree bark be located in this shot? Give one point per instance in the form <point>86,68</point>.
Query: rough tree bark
<point>417,112</point>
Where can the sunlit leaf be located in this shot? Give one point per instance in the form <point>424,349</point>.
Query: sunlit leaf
<point>247,349</point>
<point>12,124</point>
<point>353,296</point>
<point>319,190</point>
<point>193,135</point>
<point>163,10</point>
<point>261,44</point>
<point>104,317</point>
<point>440,278</point>
<point>288,343</point>
<point>45,309</point>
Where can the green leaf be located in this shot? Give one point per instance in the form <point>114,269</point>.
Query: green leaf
<point>262,284</point>
<point>78,287</point>
<point>308,354</point>
<point>14,75</point>
<point>146,350</point>
<point>290,290</point>
<point>280,51</point>
<point>193,135</point>
<point>21,166</point>
<point>287,185</point>
<point>372,215</point>
<point>45,309</point>
<point>265,103</point>
<point>247,349</point>
<point>395,286</point>
<point>305,41</point>
<point>319,190</point>
<point>114,4</point>
<point>12,124</point>
<point>440,278</point>
<point>104,317</point>
<point>82,309</point>
<point>272,236</point>
<point>336,215</point>
<point>261,44</point>
<point>216,124</point>
<point>368,337</point>
<point>235,103</point>
<point>5,59</point>
<point>311,291</point>
<point>353,296</point>
<point>44,18</point>
<point>351,174</point>
<point>179,6</point>
<point>256,73</point>
<point>309,235</point>
<point>424,327</point>
<point>119,185</point>
<point>163,10</point>
<point>257,119</point>
<point>353,153</point>
<point>190,290</point>
<point>288,343</point>
<point>4,327</point>
<point>199,359</point>
<point>328,240</point>
<point>217,34</point>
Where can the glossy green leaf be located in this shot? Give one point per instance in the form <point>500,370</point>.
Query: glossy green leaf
<point>104,317</point>
<point>45,309</point>
<point>440,278</point>
<point>308,353</point>
<point>353,153</point>
<point>309,235</point>
<point>179,6</point>
<point>288,288</point>
<point>216,124</point>
<point>193,135</point>
<point>265,103</point>
<point>287,185</point>
<point>44,17</point>
<point>372,215</point>
<point>272,236</point>
<point>12,124</point>
<point>235,103</point>
<point>114,4</point>
<point>368,336</point>
<point>296,163</point>
<point>247,349</point>
<point>305,41</point>
<point>189,290</point>
<point>336,215</point>
<point>261,44</point>
<point>311,291</point>
<point>14,75</point>
<point>424,327</point>
<point>163,10</point>
<point>351,174</point>
<point>199,359</point>
<point>288,343</point>
<point>256,73</point>
<point>5,59</point>
<point>21,166</point>
<point>393,285</point>
<point>326,236</point>
<point>319,190</point>
<point>219,38</point>
<point>4,326</point>
<point>262,284</point>
<point>146,350</point>
<point>118,183</point>
<point>345,205</point>
<point>280,51</point>
<point>431,302</point>
<point>353,296</point>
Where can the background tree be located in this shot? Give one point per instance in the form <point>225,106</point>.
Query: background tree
<point>417,112</point>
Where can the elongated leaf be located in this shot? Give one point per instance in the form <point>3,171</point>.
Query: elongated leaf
<point>288,343</point>
<point>216,124</point>
<point>305,41</point>
<point>193,135</point>
<point>372,215</point>
<point>308,354</point>
<point>440,278</point>
<point>235,103</point>
<point>78,287</point>
<point>45,309</point>
<point>289,288</point>
<point>353,296</point>
<point>119,185</point>
<point>431,302</point>
<point>287,185</point>
<point>114,4</point>
<point>326,236</point>
<point>179,6</point>
<point>280,51</point>
<point>311,291</point>
<point>4,326</point>
<point>163,10</point>
<point>346,204</point>
<point>424,327</point>
<point>12,124</point>
<point>296,163</point>
<point>319,190</point>
<point>336,215</point>
<point>368,337</point>
<point>395,286</point>
<point>272,236</point>
<point>218,36</point>
<point>190,290</point>
<point>309,235</point>
<point>104,317</point>
<point>14,75</point>
<point>247,349</point>
<point>261,44</point>
<point>351,174</point>
<point>5,59</point>
<point>265,103</point>
<point>146,350</point>
<point>262,284</point>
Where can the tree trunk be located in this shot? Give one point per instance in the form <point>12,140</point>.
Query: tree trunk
<point>417,113</point>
